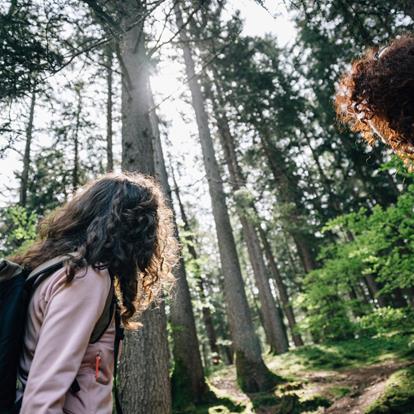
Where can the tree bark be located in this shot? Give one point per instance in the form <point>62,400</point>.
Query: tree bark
<point>283,294</point>
<point>252,374</point>
<point>144,382</point>
<point>188,382</point>
<point>26,158</point>
<point>272,322</point>
<point>75,170</point>
<point>205,310</point>
<point>137,135</point>
<point>109,104</point>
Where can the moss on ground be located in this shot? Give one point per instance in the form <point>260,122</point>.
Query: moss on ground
<point>398,397</point>
<point>284,398</point>
<point>345,354</point>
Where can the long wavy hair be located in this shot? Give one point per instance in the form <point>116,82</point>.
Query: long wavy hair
<point>376,97</point>
<point>120,222</point>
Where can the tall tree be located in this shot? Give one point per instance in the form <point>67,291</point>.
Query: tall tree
<point>143,376</point>
<point>273,323</point>
<point>282,290</point>
<point>109,106</point>
<point>27,150</point>
<point>187,381</point>
<point>252,373</point>
<point>76,138</point>
<point>191,246</point>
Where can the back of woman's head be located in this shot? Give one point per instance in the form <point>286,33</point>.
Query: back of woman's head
<point>376,97</point>
<point>121,222</point>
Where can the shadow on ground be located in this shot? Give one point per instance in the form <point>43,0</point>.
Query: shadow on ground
<point>269,403</point>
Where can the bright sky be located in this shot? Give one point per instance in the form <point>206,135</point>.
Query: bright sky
<point>168,81</point>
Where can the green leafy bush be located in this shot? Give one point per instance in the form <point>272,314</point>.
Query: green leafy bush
<point>384,320</point>
<point>17,229</point>
<point>376,244</point>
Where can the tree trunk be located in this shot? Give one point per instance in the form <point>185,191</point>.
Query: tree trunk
<point>137,135</point>
<point>272,322</point>
<point>252,374</point>
<point>288,193</point>
<point>144,382</point>
<point>26,158</point>
<point>205,310</point>
<point>374,290</point>
<point>75,170</point>
<point>187,381</point>
<point>109,133</point>
<point>283,294</point>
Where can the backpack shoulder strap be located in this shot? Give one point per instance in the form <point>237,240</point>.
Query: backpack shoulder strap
<point>41,272</point>
<point>106,316</point>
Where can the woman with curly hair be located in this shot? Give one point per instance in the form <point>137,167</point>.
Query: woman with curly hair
<point>376,97</point>
<point>117,234</point>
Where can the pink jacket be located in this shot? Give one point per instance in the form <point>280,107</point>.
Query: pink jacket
<point>56,350</point>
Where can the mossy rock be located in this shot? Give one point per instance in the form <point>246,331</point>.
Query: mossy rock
<point>398,397</point>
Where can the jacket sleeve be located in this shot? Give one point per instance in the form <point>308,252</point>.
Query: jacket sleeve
<point>70,314</point>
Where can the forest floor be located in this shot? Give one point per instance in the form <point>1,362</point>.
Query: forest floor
<point>365,376</point>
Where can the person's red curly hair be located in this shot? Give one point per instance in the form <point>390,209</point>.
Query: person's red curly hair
<point>376,97</point>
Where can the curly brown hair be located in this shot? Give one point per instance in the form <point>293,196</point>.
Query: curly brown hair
<point>120,222</point>
<point>376,97</point>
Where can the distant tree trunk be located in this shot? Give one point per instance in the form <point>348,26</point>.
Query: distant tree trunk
<point>109,133</point>
<point>333,202</point>
<point>75,170</point>
<point>144,382</point>
<point>284,297</point>
<point>399,299</point>
<point>188,382</point>
<point>272,322</point>
<point>26,158</point>
<point>205,310</point>
<point>374,290</point>
<point>287,191</point>
<point>252,374</point>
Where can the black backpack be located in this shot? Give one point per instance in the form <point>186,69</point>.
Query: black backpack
<point>16,288</point>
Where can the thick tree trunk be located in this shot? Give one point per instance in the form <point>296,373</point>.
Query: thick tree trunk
<point>26,158</point>
<point>283,294</point>
<point>144,382</point>
<point>137,135</point>
<point>143,379</point>
<point>109,133</point>
<point>205,310</point>
<point>272,322</point>
<point>252,373</point>
<point>188,382</point>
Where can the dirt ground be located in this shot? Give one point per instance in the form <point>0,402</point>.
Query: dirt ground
<point>362,387</point>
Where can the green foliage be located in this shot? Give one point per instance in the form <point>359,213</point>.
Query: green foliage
<point>398,397</point>
<point>18,229</point>
<point>385,320</point>
<point>379,243</point>
<point>25,47</point>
